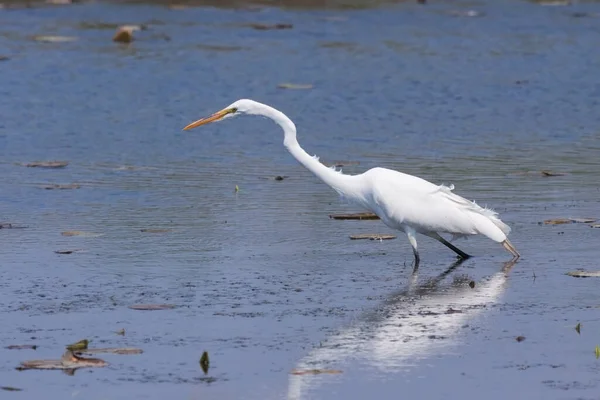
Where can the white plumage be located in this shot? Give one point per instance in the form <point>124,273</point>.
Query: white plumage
<point>404,202</point>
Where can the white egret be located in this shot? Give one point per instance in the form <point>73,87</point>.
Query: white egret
<point>404,202</point>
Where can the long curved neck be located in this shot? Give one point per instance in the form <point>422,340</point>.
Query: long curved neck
<point>345,185</point>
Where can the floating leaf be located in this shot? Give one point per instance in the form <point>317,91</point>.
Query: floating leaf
<point>597,351</point>
<point>204,362</point>
<point>296,86</point>
<point>151,307</point>
<point>68,361</point>
<point>558,221</point>
<point>112,350</point>
<point>81,345</point>
<point>550,173</point>
<point>372,236</point>
<point>361,216</point>
<point>584,274</point>
<point>265,27</point>
<point>315,371</point>
<point>47,164</point>
<point>237,189</point>
<point>124,34</point>
<point>22,347</point>
<point>54,39</point>
<point>578,328</point>
<point>66,251</point>
<point>10,389</point>
<point>8,225</point>
<point>80,233</point>
<point>151,230</point>
<point>61,187</point>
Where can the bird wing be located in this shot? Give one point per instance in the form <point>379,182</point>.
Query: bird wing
<point>409,200</point>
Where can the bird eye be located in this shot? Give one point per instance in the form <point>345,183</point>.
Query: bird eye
<point>234,110</point>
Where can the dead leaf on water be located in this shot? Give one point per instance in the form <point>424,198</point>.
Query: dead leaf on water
<point>297,86</point>
<point>558,221</point>
<point>550,173</point>
<point>372,236</point>
<point>10,389</point>
<point>204,362</point>
<point>80,233</point>
<point>266,27</point>
<point>9,225</point>
<point>152,307</point>
<point>597,351</point>
<point>67,362</point>
<point>67,251</point>
<point>578,328</point>
<point>54,39</point>
<point>46,164</point>
<point>584,274</point>
<point>61,187</point>
<point>124,34</point>
<point>81,345</point>
<point>315,371</point>
<point>359,216</point>
<point>21,347</point>
<point>158,230</point>
<point>112,350</point>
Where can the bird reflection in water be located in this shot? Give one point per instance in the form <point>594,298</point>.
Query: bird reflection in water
<point>410,325</point>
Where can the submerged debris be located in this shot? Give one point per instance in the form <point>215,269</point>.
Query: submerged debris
<point>372,236</point>
<point>361,216</point>
<point>81,345</point>
<point>520,338</point>
<point>584,274</point>
<point>21,347</point>
<point>204,362</point>
<point>315,371</point>
<point>46,164</point>
<point>151,307</point>
<point>69,361</point>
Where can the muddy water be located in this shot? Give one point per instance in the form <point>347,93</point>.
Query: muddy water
<point>261,278</point>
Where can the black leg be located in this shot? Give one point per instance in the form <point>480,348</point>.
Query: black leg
<point>446,243</point>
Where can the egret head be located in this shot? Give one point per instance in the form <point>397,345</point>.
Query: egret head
<point>243,106</point>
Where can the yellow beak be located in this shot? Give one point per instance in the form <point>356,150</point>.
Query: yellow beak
<point>215,117</point>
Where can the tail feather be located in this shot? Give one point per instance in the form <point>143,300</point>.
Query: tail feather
<point>474,207</point>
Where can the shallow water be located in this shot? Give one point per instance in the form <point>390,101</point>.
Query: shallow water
<point>262,278</point>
